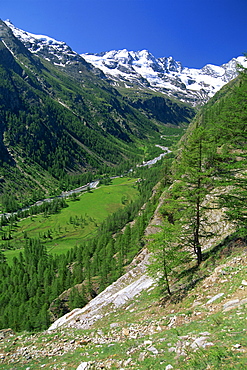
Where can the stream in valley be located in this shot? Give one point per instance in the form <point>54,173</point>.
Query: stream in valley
<point>91,185</point>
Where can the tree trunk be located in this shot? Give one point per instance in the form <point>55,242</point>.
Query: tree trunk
<point>166,276</point>
<point>197,247</point>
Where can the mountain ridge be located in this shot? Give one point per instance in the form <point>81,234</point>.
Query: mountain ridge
<point>64,122</point>
<point>138,68</point>
<point>189,328</point>
<point>165,74</point>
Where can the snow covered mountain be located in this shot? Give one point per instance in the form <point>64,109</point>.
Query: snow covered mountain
<point>136,69</point>
<point>165,75</point>
<point>44,45</point>
<point>56,52</point>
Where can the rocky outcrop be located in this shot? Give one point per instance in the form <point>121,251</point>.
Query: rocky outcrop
<point>125,288</point>
<point>169,335</point>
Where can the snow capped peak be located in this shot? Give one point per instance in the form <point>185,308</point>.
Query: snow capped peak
<point>140,68</point>
<point>170,64</point>
<point>124,56</point>
<point>30,37</point>
<point>145,54</point>
<point>56,51</point>
<point>134,59</point>
<point>8,22</point>
<point>165,74</point>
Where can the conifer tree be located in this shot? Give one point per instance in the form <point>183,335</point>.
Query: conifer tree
<point>194,179</point>
<point>167,253</point>
<point>230,135</point>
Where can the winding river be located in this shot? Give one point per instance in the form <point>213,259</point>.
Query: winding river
<point>91,185</point>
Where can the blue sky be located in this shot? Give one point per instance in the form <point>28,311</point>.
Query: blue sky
<point>195,32</point>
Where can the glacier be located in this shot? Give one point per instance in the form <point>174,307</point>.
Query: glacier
<point>165,74</point>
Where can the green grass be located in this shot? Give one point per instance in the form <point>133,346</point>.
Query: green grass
<point>148,322</point>
<point>226,330</point>
<point>74,223</point>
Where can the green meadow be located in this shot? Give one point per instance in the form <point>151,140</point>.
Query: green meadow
<point>63,230</point>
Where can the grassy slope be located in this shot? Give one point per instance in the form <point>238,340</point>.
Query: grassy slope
<point>146,332</point>
<point>66,232</point>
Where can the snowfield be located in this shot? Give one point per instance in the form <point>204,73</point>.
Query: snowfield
<point>165,74</point>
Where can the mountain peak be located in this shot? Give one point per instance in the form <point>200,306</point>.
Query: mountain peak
<point>31,37</point>
<point>140,68</point>
<point>165,74</point>
<point>57,52</point>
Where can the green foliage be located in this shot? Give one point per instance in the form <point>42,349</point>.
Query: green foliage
<point>35,280</point>
<point>24,291</point>
<point>224,122</point>
<point>213,154</point>
<point>76,298</point>
<point>61,126</point>
<point>195,177</point>
<point>231,160</point>
<point>72,222</point>
<point>167,253</point>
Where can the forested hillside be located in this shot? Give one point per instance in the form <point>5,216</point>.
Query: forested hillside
<point>31,286</point>
<point>212,155</point>
<point>61,125</point>
<point>61,128</point>
<point>209,183</point>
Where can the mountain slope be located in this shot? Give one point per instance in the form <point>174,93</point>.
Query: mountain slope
<point>213,291</point>
<point>62,56</point>
<point>140,70</point>
<point>201,324</point>
<point>58,121</point>
<point>129,69</point>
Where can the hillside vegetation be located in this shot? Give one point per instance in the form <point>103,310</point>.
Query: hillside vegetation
<point>202,326</point>
<point>61,228</point>
<point>61,126</point>
<point>82,247</point>
<point>194,202</point>
<point>194,317</point>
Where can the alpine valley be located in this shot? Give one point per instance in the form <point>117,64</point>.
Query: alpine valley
<point>60,118</point>
<point>123,186</point>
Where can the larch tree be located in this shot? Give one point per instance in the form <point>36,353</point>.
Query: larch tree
<point>194,180</point>
<point>231,136</point>
<point>167,253</point>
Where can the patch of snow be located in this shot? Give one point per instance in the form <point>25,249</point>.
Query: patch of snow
<point>59,64</point>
